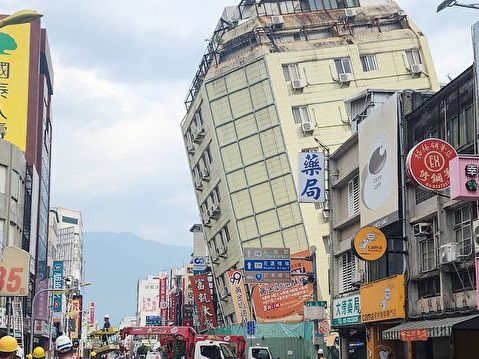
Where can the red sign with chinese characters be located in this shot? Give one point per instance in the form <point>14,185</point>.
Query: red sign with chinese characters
<point>92,315</point>
<point>414,335</point>
<point>163,299</point>
<point>203,302</point>
<point>172,318</point>
<point>427,163</point>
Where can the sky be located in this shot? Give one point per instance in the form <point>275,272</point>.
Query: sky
<point>121,76</point>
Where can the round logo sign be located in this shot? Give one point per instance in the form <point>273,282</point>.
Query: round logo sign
<point>427,163</point>
<point>369,244</point>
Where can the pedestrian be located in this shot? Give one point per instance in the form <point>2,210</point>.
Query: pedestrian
<point>19,354</point>
<point>106,324</point>
<point>320,353</point>
<point>38,353</point>
<point>8,347</point>
<point>64,348</point>
<point>92,354</point>
<point>29,356</point>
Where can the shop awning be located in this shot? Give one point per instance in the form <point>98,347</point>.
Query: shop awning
<point>436,328</point>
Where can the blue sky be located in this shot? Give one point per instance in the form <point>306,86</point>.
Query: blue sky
<point>121,75</point>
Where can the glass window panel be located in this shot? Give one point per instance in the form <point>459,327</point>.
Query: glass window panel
<point>462,128</point>
<point>266,118</point>
<point>3,179</point>
<point>231,157</point>
<point>2,229</point>
<point>236,180</point>
<point>277,165</point>
<point>226,134</point>
<point>267,222</point>
<point>241,103</point>
<point>295,238</point>
<point>273,240</point>
<point>256,72</point>
<point>261,94</point>
<point>262,197</point>
<point>246,126</point>
<point>289,215</point>
<point>242,204</point>
<point>255,243</point>
<point>221,111</point>
<point>251,150</point>
<point>272,142</point>
<point>283,190</point>
<point>216,88</point>
<point>256,173</point>
<point>236,80</point>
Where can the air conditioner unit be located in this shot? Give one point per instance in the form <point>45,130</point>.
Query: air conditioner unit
<point>205,174</point>
<point>345,77</point>
<point>215,260</point>
<point>422,229</point>
<point>475,235</point>
<point>307,126</point>
<point>447,253</point>
<point>417,68</point>
<point>190,147</point>
<point>198,184</point>
<point>277,20</point>
<point>215,211</point>
<point>349,13</point>
<point>200,130</point>
<point>221,253</point>
<point>206,221</point>
<point>298,84</point>
<point>357,277</point>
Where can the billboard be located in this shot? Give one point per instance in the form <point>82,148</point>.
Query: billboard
<point>311,177</point>
<point>378,165</point>
<point>163,298</point>
<point>14,78</point>
<point>42,302</point>
<point>203,302</point>
<point>240,299</point>
<point>57,283</point>
<point>91,318</point>
<point>14,270</point>
<point>75,317</point>
<point>284,302</point>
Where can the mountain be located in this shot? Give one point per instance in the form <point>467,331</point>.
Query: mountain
<point>115,261</point>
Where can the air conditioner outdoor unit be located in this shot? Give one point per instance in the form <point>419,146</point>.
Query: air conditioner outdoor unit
<point>357,277</point>
<point>350,13</point>
<point>205,174</point>
<point>215,211</point>
<point>345,77</point>
<point>215,259</point>
<point>475,235</point>
<point>190,147</point>
<point>206,221</point>
<point>307,126</point>
<point>198,184</point>
<point>277,20</point>
<point>221,253</point>
<point>417,68</point>
<point>422,229</point>
<point>298,84</point>
<point>447,253</point>
<point>200,130</point>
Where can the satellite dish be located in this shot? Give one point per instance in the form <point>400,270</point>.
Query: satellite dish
<point>445,4</point>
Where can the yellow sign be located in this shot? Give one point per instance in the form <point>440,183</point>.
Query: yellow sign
<point>382,300</point>
<point>14,272</point>
<point>240,299</point>
<point>14,77</point>
<point>370,244</point>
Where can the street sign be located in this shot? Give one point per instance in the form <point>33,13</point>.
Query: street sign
<point>199,264</point>
<point>267,265</point>
<point>153,320</point>
<point>315,310</point>
<point>251,328</point>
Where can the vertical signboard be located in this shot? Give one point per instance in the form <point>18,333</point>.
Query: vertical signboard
<point>347,310</point>
<point>163,298</point>
<point>188,315</point>
<point>76,317</point>
<point>477,286</point>
<point>203,302</point>
<point>41,305</point>
<point>14,77</point>
<point>475,43</point>
<point>238,293</point>
<point>173,303</point>
<point>57,283</point>
<point>311,177</point>
<point>378,166</point>
<point>91,317</point>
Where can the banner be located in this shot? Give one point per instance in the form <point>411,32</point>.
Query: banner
<point>14,78</point>
<point>163,298</point>
<point>42,302</point>
<point>14,270</point>
<point>188,315</point>
<point>311,177</point>
<point>76,317</point>
<point>172,308</point>
<point>91,318</point>
<point>240,299</point>
<point>378,166</point>
<point>57,283</point>
<point>284,302</point>
<point>203,302</point>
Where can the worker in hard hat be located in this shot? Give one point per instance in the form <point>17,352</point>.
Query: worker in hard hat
<point>19,353</point>
<point>8,347</point>
<point>29,356</point>
<point>320,353</point>
<point>64,347</point>
<point>38,353</point>
<point>92,354</point>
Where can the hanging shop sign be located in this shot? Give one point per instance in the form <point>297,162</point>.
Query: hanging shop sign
<point>311,177</point>
<point>14,272</point>
<point>347,310</point>
<point>238,293</point>
<point>464,171</point>
<point>163,298</point>
<point>427,164</point>
<point>203,302</point>
<point>369,244</point>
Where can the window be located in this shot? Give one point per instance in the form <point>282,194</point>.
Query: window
<point>347,268</point>
<point>301,114</point>
<point>428,254</point>
<point>215,196</point>
<point>369,63</point>
<point>15,185</point>
<point>462,230</point>
<point>3,178</point>
<point>429,287</point>
<point>413,57</point>
<point>464,280</point>
<point>353,196</point>
<point>207,158</point>
<point>196,172</point>
<point>343,65</point>
<point>69,220</point>
<point>198,119</point>
<point>2,226</point>
<point>291,72</point>
<point>259,353</point>
<point>460,128</point>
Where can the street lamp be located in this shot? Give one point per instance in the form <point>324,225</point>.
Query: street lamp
<point>449,3</point>
<point>20,17</point>
<point>32,324</point>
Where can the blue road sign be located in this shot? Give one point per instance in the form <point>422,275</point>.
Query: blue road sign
<point>270,265</point>
<point>251,328</point>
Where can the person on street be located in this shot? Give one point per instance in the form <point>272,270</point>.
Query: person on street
<point>92,354</point>
<point>19,354</point>
<point>64,347</point>
<point>320,353</point>
<point>106,324</point>
<point>29,356</point>
<point>8,347</point>
<point>38,353</point>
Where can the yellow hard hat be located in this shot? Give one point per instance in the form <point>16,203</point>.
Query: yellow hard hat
<point>92,354</point>
<point>38,353</point>
<point>29,356</point>
<point>8,344</point>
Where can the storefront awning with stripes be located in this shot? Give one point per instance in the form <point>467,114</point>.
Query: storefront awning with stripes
<point>436,328</point>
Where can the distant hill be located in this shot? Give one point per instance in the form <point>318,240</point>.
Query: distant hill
<point>115,261</point>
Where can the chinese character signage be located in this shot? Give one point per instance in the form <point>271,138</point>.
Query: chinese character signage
<point>163,298</point>
<point>267,265</point>
<point>414,335</point>
<point>284,302</point>
<point>14,272</point>
<point>57,283</point>
<point>203,302</point>
<point>382,300</point>
<point>369,244</point>
<point>314,310</point>
<point>427,164</point>
<point>464,172</point>
<point>91,318</point>
<point>378,166</point>
<point>311,177</point>
<point>187,315</point>
<point>240,299</point>
<point>172,313</point>
<point>14,78</point>
<point>76,317</point>
<point>347,310</point>
<point>42,302</point>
